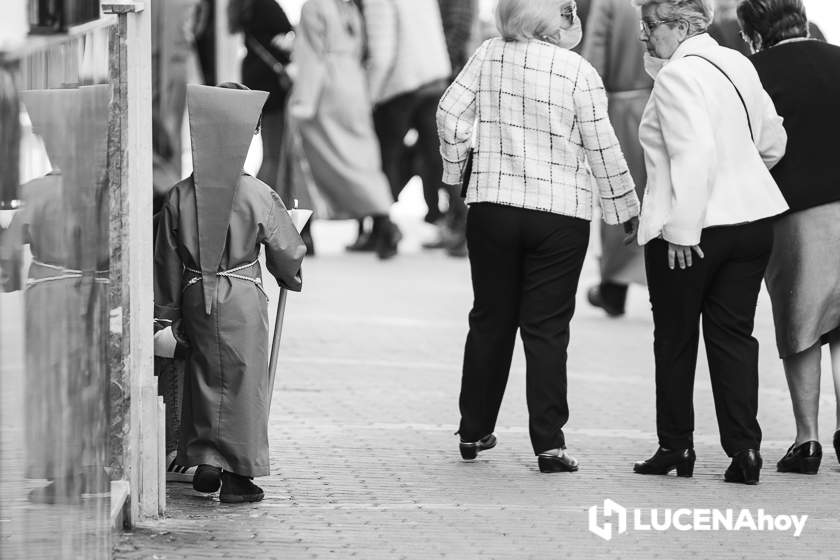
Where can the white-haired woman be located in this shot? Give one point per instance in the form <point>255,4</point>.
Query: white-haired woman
<point>710,133</point>
<point>534,115</point>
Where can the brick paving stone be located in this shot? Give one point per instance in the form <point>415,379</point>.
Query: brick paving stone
<point>365,464</point>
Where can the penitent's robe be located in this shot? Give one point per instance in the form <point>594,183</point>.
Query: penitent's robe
<point>66,321</point>
<point>226,385</point>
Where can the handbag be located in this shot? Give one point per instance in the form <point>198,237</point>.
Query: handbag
<point>465,176</point>
<point>283,78</point>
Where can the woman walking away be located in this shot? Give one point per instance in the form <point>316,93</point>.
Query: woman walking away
<point>710,133</point>
<point>802,77</point>
<point>540,118</point>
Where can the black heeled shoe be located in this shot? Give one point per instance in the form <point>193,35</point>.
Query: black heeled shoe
<point>745,467</point>
<point>803,458</point>
<point>666,460</point>
<point>550,463</point>
<point>470,450</point>
<point>837,444</point>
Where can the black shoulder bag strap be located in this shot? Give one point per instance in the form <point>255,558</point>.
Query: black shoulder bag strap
<point>741,97</point>
<point>265,55</point>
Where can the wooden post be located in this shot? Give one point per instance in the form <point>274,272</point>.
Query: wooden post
<point>131,257</point>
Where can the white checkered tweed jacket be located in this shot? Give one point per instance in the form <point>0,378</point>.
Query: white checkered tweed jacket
<point>536,117</point>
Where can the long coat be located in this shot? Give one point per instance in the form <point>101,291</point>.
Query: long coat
<point>226,386</point>
<point>332,108</point>
<point>612,46</point>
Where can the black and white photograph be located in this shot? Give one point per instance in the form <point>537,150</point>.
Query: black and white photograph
<point>419,279</point>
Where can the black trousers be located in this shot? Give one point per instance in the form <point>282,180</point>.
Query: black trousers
<point>392,120</point>
<point>723,289</point>
<point>525,269</point>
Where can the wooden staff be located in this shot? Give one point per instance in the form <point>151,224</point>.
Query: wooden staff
<point>300,218</point>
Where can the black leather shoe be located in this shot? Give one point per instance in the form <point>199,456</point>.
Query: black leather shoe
<point>237,489</point>
<point>745,467</point>
<point>837,444</point>
<point>666,460</point>
<point>387,240</point>
<point>557,463</point>
<point>207,479</point>
<point>470,450</point>
<point>365,243</point>
<point>803,458</point>
<point>597,298</point>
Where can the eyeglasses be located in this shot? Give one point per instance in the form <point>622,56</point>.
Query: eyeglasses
<point>648,25</point>
<point>569,12</point>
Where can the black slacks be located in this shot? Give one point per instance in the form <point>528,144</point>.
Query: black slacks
<point>723,289</point>
<point>392,120</point>
<point>525,269</point>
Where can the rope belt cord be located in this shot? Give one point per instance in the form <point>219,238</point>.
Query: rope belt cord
<point>65,274</point>
<point>229,273</point>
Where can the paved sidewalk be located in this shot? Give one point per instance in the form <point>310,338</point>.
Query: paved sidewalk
<point>365,463</point>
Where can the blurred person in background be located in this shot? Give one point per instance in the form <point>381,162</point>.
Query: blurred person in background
<point>172,44</point>
<point>331,105</point>
<point>536,168</point>
<point>169,369</point>
<point>710,135</point>
<point>802,76</point>
<point>268,36</point>
<point>458,17</point>
<point>613,48</point>
<point>725,29</point>
<point>164,174</point>
<point>407,71</point>
<point>204,31</point>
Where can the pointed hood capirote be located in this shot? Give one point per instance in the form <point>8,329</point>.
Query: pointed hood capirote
<point>73,125</point>
<point>222,124</point>
<point>55,114</point>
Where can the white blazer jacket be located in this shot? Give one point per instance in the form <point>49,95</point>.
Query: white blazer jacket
<point>703,168</point>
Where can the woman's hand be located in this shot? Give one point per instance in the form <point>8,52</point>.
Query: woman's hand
<point>631,229</point>
<point>284,41</point>
<point>682,254</point>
